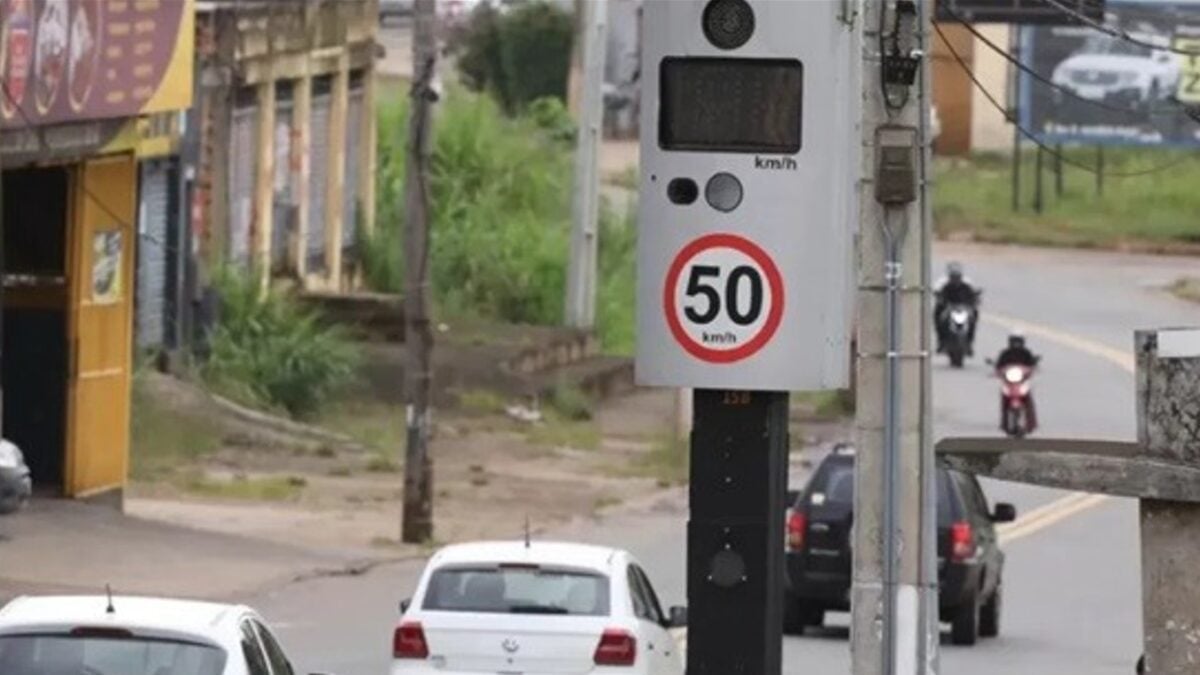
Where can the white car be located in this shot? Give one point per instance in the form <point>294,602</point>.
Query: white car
<point>1121,73</point>
<point>536,608</point>
<point>94,635</point>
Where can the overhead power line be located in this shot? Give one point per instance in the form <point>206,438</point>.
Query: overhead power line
<point>1033,137</point>
<point>1112,31</point>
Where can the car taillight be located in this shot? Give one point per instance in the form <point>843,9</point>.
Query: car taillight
<point>797,524</point>
<point>408,642</point>
<point>962,542</point>
<point>616,648</point>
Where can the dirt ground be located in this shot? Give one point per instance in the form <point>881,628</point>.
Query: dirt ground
<point>491,473</point>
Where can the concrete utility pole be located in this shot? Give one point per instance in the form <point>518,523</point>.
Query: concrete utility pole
<point>417,523</point>
<point>894,595</point>
<point>585,207</point>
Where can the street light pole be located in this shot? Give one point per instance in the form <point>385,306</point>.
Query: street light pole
<point>585,206</point>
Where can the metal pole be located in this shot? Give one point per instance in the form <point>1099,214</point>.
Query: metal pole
<point>1058,171</point>
<point>3,298</point>
<point>585,207</point>
<point>1014,42</point>
<point>1038,197</point>
<point>1099,170</point>
<point>417,524</point>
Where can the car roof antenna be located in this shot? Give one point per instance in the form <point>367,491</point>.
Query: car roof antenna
<point>528,536</point>
<point>108,592</point>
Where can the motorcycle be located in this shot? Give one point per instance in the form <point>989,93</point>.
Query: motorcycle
<point>1015,387</point>
<point>957,342</point>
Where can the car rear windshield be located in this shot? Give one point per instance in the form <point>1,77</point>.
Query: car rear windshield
<point>834,484</point>
<point>517,590</point>
<point>73,655</point>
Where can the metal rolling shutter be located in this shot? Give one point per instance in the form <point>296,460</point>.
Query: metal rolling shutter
<point>318,176</point>
<point>153,254</point>
<point>354,129</point>
<point>282,221</point>
<point>241,182</point>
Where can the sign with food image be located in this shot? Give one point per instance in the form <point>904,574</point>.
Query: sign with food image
<point>106,267</point>
<point>78,60</point>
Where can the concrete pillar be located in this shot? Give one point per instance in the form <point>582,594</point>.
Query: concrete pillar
<point>335,186</point>
<point>264,185</point>
<point>1168,382</point>
<point>301,172</point>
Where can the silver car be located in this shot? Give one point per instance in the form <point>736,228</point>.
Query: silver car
<point>15,482</point>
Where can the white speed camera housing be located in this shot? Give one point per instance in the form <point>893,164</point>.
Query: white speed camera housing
<point>749,156</point>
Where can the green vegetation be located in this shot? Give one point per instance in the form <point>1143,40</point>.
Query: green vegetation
<point>163,439</point>
<point>973,198</point>
<point>501,217</point>
<point>269,351</point>
<point>378,426</point>
<point>382,464</point>
<point>571,403</point>
<point>556,432</point>
<point>667,463</point>
<point>268,488</point>
<point>518,56</point>
<point>825,405</point>
<point>481,402</point>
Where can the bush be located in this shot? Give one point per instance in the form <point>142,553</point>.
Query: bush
<point>271,351</point>
<point>518,56</point>
<point>500,208</point>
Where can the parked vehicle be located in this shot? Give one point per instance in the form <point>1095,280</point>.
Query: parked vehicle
<point>98,635</point>
<point>15,482</point>
<point>392,9</point>
<point>535,608</point>
<point>819,550</point>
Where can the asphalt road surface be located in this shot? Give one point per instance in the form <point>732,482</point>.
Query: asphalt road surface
<point>1072,582</point>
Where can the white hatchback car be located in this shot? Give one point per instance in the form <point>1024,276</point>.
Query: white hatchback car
<point>135,636</point>
<point>535,608</point>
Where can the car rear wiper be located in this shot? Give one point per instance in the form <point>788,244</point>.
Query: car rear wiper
<point>536,609</point>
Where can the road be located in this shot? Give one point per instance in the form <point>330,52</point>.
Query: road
<point>1072,584</point>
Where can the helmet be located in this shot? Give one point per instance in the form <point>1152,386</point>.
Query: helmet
<point>1016,341</point>
<point>954,271</point>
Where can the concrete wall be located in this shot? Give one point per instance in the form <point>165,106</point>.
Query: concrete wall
<point>989,130</point>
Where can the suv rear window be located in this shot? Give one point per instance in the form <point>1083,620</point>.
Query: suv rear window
<point>57,654</point>
<point>834,482</point>
<point>518,590</point>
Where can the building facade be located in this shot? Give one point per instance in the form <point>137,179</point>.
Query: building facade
<point>285,159</point>
<point>86,89</point>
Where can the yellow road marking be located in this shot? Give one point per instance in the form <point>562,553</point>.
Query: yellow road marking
<point>1076,502</point>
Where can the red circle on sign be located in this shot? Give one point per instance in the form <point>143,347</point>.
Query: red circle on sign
<point>774,312</point>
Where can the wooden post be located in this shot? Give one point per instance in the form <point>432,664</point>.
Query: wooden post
<point>1100,171</point>
<point>1168,381</point>
<point>1039,202</point>
<point>1058,171</point>
<point>417,525</point>
<point>367,152</point>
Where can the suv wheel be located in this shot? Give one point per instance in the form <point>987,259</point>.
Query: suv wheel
<point>812,617</point>
<point>989,620</point>
<point>964,629</point>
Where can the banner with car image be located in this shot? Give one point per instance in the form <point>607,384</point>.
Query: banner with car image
<point>80,60</point>
<point>1112,91</point>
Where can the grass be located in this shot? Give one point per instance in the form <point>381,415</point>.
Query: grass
<point>973,198</point>
<point>481,402</point>
<point>557,432</point>
<point>378,426</point>
<point>1187,288</point>
<point>382,464</point>
<point>666,463</point>
<point>163,440</point>
<point>626,178</point>
<point>571,403</point>
<point>267,489</point>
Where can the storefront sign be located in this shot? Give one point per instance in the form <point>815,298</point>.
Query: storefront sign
<point>76,60</point>
<point>106,267</point>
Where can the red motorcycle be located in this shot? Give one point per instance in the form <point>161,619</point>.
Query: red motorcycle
<point>1018,416</point>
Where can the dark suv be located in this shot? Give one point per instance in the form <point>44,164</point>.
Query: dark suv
<point>970,562</point>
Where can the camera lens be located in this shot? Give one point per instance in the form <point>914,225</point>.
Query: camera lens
<point>728,24</point>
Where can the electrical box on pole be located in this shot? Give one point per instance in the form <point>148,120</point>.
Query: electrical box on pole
<point>749,154</point>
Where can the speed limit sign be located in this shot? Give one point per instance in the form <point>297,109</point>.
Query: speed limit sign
<point>723,298</point>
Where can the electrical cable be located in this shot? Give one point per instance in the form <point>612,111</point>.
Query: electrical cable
<point>1033,137</point>
<point>1118,33</point>
<point>1193,112</point>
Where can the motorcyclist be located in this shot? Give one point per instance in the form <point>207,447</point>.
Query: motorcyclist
<point>955,289</point>
<point>1017,353</point>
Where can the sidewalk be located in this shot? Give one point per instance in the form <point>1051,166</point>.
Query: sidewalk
<point>60,546</point>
